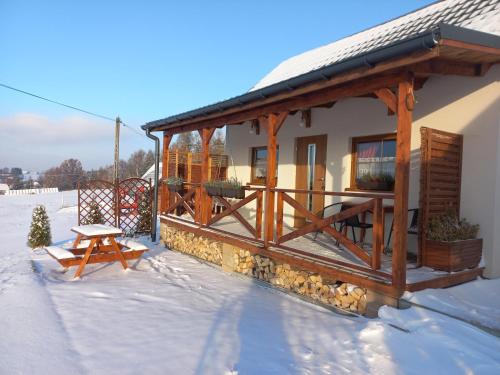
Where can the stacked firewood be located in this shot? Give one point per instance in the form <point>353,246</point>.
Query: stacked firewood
<point>342,295</point>
<point>197,246</point>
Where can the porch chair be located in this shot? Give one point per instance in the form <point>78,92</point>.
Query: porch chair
<point>352,221</point>
<point>412,229</point>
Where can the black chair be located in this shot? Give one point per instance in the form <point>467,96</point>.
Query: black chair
<point>412,229</point>
<point>352,221</point>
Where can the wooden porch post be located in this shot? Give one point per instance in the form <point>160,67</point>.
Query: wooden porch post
<point>165,196</point>
<point>272,125</point>
<point>401,187</point>
<point>206,202</point>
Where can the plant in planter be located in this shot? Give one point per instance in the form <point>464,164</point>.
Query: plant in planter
<point>451,243</point>
<point>213,188</point>
<point>232,188</point>
<point>175,184</point>
<point>382,181</point>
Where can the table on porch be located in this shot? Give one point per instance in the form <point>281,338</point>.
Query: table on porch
<point>386,209</point>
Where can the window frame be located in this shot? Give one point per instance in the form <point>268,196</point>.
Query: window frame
<point>253,152</point>
<point>354,145</point>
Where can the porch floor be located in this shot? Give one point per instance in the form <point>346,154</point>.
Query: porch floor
<point>417,278</point>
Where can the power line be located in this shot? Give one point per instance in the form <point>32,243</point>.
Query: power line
<point>70,107</point>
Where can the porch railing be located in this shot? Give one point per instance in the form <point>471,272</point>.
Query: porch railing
<point>232,209</point>
<point>373,204</point>
<point>190,201</point>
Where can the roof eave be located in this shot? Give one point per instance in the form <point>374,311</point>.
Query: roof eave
<point>423,41</point>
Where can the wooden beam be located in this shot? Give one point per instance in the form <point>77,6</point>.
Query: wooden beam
<point>273,123</point>
<point>165,196</point>
<point>255,126</point>
<point>387,96</point>
<point>390,65</point>
<point>330,269</point>
<point>280,120</point>
<point>448,67</point>
<point>206,201</point>
<point>298,102</point>
<point>401,187</point>
<point>306,118</point>
<point>470,47</point>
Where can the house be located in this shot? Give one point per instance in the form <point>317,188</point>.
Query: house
<point>4,188</point>
<point>401,116</point>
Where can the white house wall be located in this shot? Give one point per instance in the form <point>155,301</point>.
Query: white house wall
<point>469,106</point>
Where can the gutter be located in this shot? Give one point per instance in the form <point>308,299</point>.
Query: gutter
<point>420,42</point>
<point>154,213</point>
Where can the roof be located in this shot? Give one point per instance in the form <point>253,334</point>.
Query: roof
<point>479,15</point>
<point>150,174</point>
<point>473,21</point>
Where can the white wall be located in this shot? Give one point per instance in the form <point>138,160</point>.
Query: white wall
<point>466,105</point>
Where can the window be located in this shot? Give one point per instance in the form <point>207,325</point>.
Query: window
<point>373,162</point>
<point>259,165</point>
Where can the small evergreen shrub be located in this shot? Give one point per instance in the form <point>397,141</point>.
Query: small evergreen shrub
<point>95,215</point>
<point>449,227</point>
<point>144,213</point>
<point>39,234</point>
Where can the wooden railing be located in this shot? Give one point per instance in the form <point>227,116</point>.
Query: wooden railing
<point>232,209</point>
<point>372,204</point>
<point>189,201</point>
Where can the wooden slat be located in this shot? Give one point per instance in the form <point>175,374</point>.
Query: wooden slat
<point>440,178</point>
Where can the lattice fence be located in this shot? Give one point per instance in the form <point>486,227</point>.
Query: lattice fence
<point>135,201</point>
<point>126,205</point>
<point>100,193</point>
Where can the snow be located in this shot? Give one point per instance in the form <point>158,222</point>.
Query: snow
<point>59,253</point>
<point>478,15</point>
<point>475,302</point>
<point>132,245</point>
<point>173,314</point>
<point>96,230</point>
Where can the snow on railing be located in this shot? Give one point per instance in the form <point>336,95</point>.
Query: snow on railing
<point>31,191</point>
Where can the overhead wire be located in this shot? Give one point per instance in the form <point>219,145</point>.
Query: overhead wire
<point>71,107</point>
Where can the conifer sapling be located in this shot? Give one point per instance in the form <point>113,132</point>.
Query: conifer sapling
<point>39,234</point>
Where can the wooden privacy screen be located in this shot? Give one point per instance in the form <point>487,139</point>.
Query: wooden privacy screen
<point>188,166</point>
<point>440,176</point>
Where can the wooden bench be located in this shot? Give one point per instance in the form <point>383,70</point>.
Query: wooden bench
<point>70,257</point>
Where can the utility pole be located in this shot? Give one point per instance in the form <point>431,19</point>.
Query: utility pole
<point>117,147</point>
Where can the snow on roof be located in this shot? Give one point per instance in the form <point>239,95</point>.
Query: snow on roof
<point>479,15</point>
<point>4,187</point>
<point>150,174</point>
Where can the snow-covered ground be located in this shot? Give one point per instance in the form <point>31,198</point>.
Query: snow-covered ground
<point>173,314</point>
<point>476,302</point>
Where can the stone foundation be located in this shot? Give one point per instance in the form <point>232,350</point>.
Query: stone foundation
<point>233,259</point>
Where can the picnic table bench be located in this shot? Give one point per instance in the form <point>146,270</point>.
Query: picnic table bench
<point>96,243</point>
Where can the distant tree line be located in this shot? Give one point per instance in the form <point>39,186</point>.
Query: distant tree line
<point>70,172</point>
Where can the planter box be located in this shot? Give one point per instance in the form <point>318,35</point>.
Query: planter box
<point>175,187</point>
<point>237,193</point>
<point>452,256</point>
<point>374,185</point>
<point>213,191</point>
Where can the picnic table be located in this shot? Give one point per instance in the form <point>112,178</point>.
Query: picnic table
<point>96,243</point>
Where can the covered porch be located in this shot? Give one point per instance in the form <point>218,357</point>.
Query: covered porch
<point>260,221</point>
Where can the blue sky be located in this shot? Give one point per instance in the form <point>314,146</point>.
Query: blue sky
<point>145,60</point>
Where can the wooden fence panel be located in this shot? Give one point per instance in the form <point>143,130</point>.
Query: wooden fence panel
<point>440,177</point>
